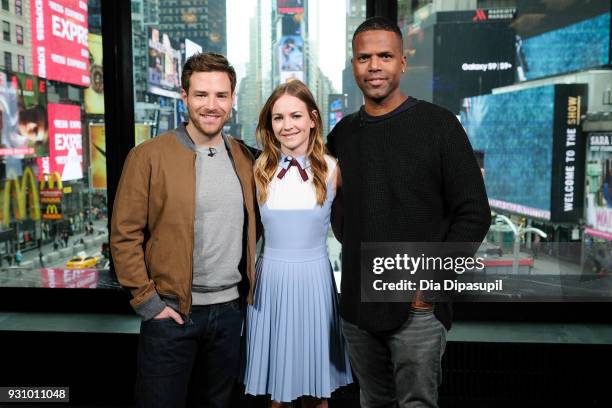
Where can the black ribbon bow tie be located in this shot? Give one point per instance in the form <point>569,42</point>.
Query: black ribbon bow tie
<point>293,162</point>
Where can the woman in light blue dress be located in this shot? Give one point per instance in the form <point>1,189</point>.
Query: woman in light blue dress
<point>295,346</point>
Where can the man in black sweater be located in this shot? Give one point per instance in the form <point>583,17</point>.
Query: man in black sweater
<point>408,175</point>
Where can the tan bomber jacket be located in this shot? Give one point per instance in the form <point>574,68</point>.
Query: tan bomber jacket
<point>152,226</point>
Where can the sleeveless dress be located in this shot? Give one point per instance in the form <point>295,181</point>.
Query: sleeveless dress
<point>294,342</point>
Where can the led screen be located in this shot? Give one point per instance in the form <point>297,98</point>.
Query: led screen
<point>533,149</point>
<point>578,46</point>
<point>164,72</point>
<point>59,40</point>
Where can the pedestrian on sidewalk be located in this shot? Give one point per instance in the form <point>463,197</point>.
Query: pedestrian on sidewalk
<point>535,246</point>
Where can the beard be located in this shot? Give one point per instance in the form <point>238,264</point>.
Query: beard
<point>208,130</point>
<point>380,93</point>
<point>376,94</point>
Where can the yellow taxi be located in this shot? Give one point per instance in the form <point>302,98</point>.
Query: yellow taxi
<point>79,262</point>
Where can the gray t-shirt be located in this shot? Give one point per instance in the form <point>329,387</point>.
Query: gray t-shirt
<point>218,228</point>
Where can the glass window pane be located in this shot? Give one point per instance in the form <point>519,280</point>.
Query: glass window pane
<point>18,8</point>
<point>52,150</point>
<point>19,35</point>
<point>268,42</point>
<point>6,31</point>
<point>8,61</point>
<point>526,80</point>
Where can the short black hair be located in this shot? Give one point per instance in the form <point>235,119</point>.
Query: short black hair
<point>378,23</point>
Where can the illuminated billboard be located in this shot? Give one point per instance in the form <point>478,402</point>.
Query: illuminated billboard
<point>69,278</point>
<point>65,141</point>
<point>291,53</point>
<point>94,94</point>
<point>458,57</point>
<point>471,58</point>
<point>164,72</point>
<point>337,105</point>
<point>97,150</point>
<point>599,184</point>
<point>22,195</point>
<point>59,40</point>
<point>291,58</point>
<point>582,45</point>
<point>533,149</point>
<point>554,38</point>
<point>290,6</point>
<point>23,117</point>
<point>292,24</point>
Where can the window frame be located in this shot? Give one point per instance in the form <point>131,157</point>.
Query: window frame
<point>6,31</point>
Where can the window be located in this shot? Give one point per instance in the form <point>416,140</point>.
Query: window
<point>21,64</point>
<point>250,33</point>
<point>53,134</point>
<point>19,34</point>
<point>6,31</point>
<point>5,5</point>
<point>8,61</point>
<point>534,64</point>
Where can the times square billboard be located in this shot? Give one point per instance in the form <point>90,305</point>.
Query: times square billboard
<point>290,6</point>
<point>459,54</point>
<point>60,50</point>
<point>33,129</point>
<point>533,149</point>
<point>23,119</point>
<point>455,56</point>
<point>566,37</point>
<point>164,65</point>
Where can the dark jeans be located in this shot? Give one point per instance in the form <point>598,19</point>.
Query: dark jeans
<point>401,368</point>
<point>195,364</point>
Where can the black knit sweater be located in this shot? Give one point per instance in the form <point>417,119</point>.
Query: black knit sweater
<point>407,176</point>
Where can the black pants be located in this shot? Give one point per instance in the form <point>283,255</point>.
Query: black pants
<point>195,364</point>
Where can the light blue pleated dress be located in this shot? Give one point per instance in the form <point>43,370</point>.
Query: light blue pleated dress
<point>295,345</point>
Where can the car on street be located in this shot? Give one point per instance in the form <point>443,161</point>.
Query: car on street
<point>80,262</point>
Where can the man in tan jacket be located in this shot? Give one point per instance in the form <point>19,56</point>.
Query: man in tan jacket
<point>183,242</point>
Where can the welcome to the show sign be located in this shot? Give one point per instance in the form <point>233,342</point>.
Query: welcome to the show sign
<point>569,146</point>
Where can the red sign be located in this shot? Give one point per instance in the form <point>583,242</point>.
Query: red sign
<point>51,196</point>
<point>65,141</point>
<point>68,278</point>
<point>290,6</point>
<point>43,167</point>
<point>480,15</point>
<point>59,40</point>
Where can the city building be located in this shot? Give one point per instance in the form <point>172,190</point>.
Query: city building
<point>256,86</point>
<point>201,21</point>
<point>355,14</point>
<point>16,36</point>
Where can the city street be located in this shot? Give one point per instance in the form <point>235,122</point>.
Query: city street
<point>57,258</point>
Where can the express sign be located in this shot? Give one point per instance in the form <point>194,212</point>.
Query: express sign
<point>65,141</point>
<point>59,40</point>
